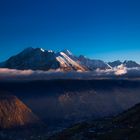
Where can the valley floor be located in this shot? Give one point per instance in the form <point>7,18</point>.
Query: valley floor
<point>69,109</point>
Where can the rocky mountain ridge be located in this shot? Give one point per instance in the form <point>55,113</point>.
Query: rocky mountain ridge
<point>40,59</point>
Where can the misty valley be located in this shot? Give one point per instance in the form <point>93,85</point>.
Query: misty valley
<point>56,105</point>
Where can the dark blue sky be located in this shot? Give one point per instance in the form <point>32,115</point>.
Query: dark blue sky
<point>104,29</point>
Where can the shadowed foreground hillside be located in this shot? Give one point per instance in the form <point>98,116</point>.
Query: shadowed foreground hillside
<point>125,126</point>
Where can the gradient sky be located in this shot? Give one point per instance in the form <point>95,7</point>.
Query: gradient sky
<point>100,29</point>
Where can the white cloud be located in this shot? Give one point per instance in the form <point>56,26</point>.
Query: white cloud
<point>13,74</point>
<point>120,70</point>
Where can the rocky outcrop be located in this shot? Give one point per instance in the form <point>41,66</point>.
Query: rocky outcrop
<point>14,113</point>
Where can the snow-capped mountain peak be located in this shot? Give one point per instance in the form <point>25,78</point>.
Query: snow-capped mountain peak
<point>67,52</point>
<point>130,64</point>
<point>66,61</point>
<point>126,63</point>
<point>115,63</point>
<point>49,51</point>
<point>40,59</point>
<point>42,50</point>
<point>93,64</point>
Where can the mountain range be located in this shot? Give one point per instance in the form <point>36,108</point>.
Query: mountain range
<point>40,59</point>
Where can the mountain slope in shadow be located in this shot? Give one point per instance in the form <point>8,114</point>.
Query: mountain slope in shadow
<point>122,127</point>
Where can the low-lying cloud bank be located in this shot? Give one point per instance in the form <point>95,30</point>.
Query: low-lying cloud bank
<point>121,71</point>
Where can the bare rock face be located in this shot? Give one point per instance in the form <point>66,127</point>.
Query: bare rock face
<point>14,113</point>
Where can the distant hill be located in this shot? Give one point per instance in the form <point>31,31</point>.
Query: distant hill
<point>14,113</point>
